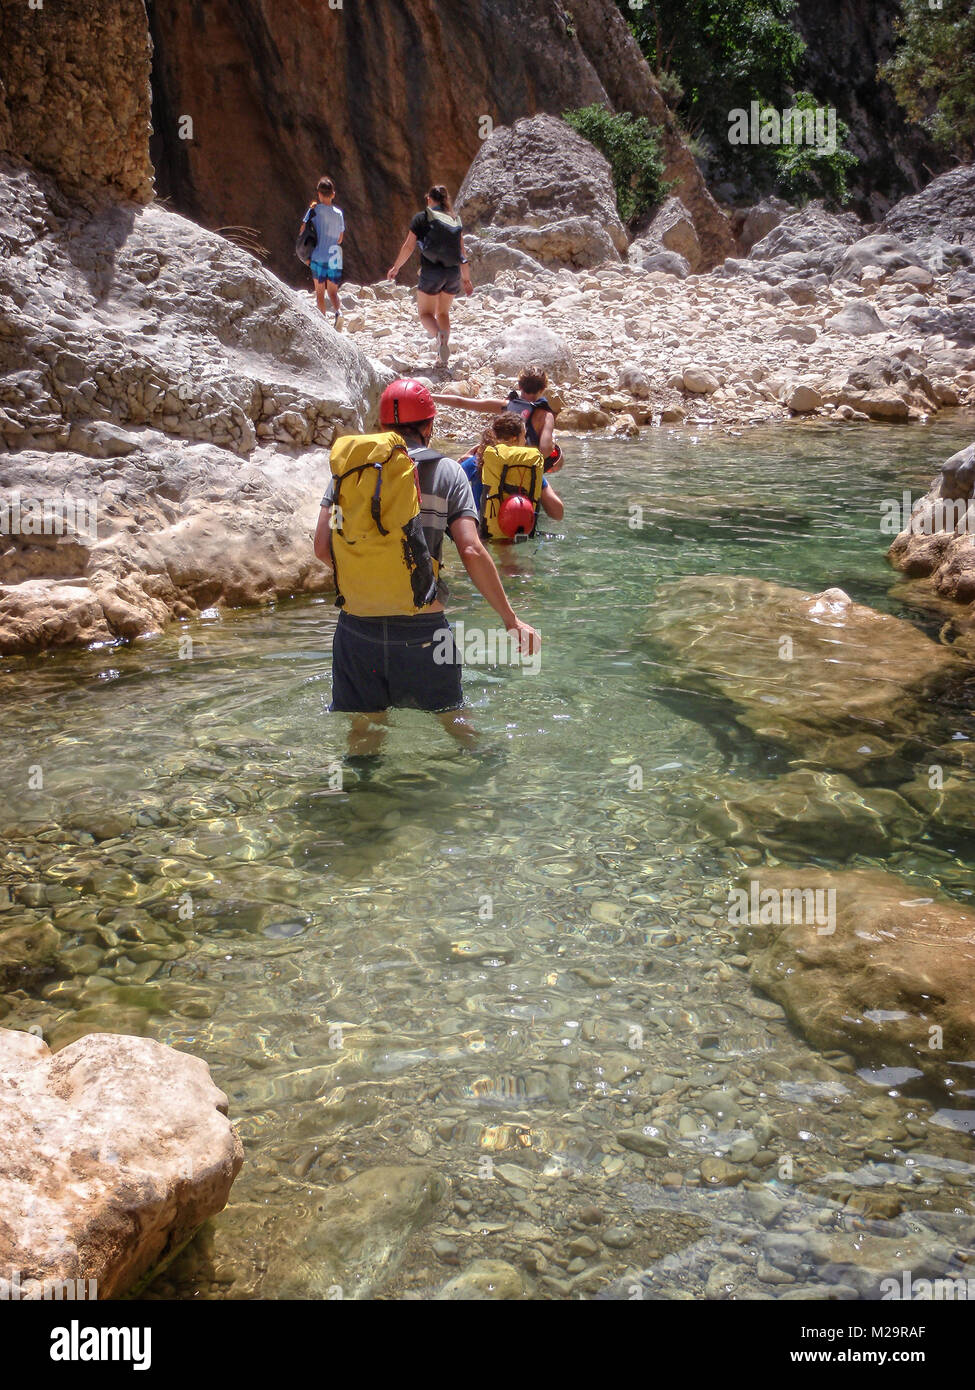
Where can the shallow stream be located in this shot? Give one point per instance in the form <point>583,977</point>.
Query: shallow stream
<point>491,965</point>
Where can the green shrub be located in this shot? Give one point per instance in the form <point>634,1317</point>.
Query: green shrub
<point>933,71</point>
<point>806,171</point>
<point>632,147</point>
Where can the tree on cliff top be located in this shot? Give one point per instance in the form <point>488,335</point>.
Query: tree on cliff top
<point>933,71</point>
<point>712,59</point>
<point>721,55</point>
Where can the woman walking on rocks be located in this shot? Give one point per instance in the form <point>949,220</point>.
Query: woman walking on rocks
<point>443,265</point>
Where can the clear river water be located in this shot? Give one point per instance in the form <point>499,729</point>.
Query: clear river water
<point>490,966</point>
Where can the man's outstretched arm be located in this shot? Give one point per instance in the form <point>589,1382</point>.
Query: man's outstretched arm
<point>484,575</point>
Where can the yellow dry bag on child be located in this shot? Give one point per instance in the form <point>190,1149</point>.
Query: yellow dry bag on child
<point>508,470</point>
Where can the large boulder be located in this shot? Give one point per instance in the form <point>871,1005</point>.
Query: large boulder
<point>488,257</point>
<point>541,174</point>
<point>879,251</point>
<point>754,223</point>
<point>809,241</point>
<point>157,374</point>
<point>893,982</point>
<point>578,243</point>
<point>835,682</point>
<point>856,319</point>
<point>671,230</point>
<point>113,1151</point>
<point>648,257</point>
<point>528,342</point>
<point>881,386</point>
<point>956,325</point>
<point>938,541</point>
<point>945,209</point>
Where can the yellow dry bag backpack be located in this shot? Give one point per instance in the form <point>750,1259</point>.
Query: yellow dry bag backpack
<point>382,565</point>
<point>508,470</point>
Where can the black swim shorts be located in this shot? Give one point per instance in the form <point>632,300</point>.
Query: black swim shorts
<point>438,279</point>
<point>404,663</point>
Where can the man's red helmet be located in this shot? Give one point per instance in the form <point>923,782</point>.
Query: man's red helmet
<point>405,402</point>
<point>516,516</point>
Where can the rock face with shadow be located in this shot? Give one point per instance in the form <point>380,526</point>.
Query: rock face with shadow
<point>387,99</point>
<point>165,402</point>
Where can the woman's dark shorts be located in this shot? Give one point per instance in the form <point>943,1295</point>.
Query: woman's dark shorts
<point>438,279</point>
<point>407,663</point>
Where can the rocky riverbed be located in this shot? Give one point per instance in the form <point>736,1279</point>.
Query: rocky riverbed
<point>814,314</point>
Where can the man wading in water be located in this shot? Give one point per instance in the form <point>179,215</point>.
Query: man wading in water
<point>393,646</point>
<point>443,266</point>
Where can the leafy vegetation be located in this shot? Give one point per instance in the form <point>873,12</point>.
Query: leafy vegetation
<point>632,147</point>
<point>933,71</point>
<point>712,59</point>
<point>803,169</point>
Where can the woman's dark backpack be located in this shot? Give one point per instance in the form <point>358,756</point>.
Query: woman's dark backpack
<point>441,241</point>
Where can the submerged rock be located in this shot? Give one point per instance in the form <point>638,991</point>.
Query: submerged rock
<point>891,979</point>
<point>820,812</point>
<point>359,1236</point>
<point>27,954</point>
<point>113,1152</point>
<point>838,683</point>
<point>484,1280</point>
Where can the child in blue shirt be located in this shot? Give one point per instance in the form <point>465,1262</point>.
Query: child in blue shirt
<point>326,263</point>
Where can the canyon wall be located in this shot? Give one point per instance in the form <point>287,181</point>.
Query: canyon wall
<point>74,94</point>
<point>385,98</point>
<point>846,42</point>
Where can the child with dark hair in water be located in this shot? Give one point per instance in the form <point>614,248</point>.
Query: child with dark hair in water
<point>527,403</point>
<point>507,429</point>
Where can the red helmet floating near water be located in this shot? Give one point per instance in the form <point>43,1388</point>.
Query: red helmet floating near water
<point>516,516</point>
<point>404,402</point>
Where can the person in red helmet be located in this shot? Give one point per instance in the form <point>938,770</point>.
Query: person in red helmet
<point>393,658</point>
